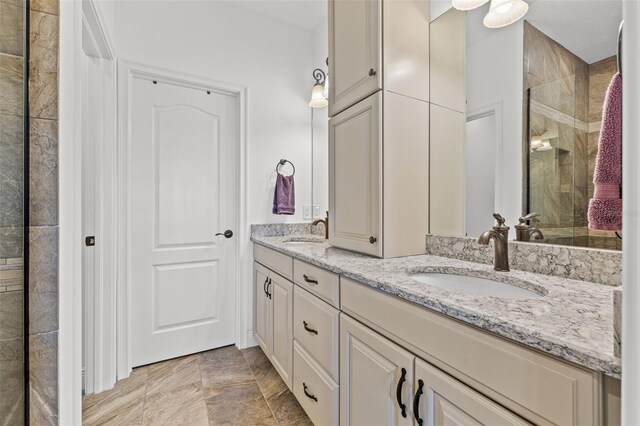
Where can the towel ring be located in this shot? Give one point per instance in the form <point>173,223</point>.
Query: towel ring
<point>282,163</point>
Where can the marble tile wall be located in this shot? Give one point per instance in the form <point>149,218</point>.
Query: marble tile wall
<point>43,211</point>
<point>12,383</point>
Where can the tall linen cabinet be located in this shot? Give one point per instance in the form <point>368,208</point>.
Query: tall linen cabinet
<point>379,126</point>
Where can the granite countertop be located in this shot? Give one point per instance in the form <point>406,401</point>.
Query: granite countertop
<point>572,321</point>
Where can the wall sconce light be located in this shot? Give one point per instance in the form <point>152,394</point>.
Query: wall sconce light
<point>505,12</point>
<point>320,90</point>
<point>467,4</point>
<point>501,12</point>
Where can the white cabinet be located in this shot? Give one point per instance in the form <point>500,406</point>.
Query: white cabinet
<point>263,307</point>
<point>375,44</point>
<point>355,42</point>
<point>355,177</point>
<point>274,319</point>
<point>379,176</point>
<point>441,400</point>
<point>375,378</point>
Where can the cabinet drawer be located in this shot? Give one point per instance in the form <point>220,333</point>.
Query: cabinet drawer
<point>538,387</point>
<point>316,327</point>
<point>324,284</point>
<point>277,262</point>
<point>318,394</point>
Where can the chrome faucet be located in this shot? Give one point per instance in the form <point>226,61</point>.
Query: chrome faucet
<point>501,249</point>
<point>325,221</point>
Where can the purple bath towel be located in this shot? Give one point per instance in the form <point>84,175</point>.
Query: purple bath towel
<point>284,198</point>
<point>605,208</point>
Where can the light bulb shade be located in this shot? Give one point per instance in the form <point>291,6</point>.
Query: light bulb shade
<point>325,91</point>
<point>317,97</point>
<point>467,4</point>
<point>536,143</point>
<point>505,12</point>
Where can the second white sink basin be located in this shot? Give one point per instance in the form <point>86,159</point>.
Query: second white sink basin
<point>475,286</point>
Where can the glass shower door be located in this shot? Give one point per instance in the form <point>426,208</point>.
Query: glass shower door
<point>12,211</point>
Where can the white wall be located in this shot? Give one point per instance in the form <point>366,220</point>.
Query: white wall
<point>495,76</point>
<point>223,42</point>
<point>320,51</point>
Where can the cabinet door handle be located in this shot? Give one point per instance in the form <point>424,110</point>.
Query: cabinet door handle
<point>309,280</point>
<point>403,378</point>
<point>372,240</point>
<point>309,395</point>
<point>416,403</point>
<point>264,286</point>
<point>309,329</point>
<point>372,72</point>
<point>268,292</point>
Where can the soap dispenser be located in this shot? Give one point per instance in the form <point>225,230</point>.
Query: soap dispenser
<point>524,232</point>
<point>500,226</point>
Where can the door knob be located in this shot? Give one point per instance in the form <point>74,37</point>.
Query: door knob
<point>372,72</point>
<point>227,234</point>
<point>372,240</point>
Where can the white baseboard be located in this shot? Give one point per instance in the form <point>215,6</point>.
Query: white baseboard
<point>251,340</point>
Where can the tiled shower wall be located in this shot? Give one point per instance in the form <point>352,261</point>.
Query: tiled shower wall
<point>43,212</point>
<point>11,213</point>
<point>566,100</point>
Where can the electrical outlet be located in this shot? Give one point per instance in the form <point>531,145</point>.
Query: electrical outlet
<point>306,213</point>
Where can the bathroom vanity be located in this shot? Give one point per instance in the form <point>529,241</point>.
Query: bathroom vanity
<point>361,340</point>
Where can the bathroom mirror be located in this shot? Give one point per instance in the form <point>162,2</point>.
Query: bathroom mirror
<point>535,91</point>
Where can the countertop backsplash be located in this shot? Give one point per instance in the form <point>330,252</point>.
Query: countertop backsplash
<point>577,263</point>
<point>282,229</point>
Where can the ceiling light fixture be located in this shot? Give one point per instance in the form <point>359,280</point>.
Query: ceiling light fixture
<point>505,12</point>
<point>467,4</point>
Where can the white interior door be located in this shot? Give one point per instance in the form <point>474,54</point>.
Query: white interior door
<point>184,191</point>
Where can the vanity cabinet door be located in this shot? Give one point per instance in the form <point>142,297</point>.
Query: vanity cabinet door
<point>263,307</point>
<point>355,177</point>
<point>281,292</point>
<point>372,371</point>
<point>442,401</point>
<point>355,49</point>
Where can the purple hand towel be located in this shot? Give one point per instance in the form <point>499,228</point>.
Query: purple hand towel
<point>284,198</point>
<point>605,208</point>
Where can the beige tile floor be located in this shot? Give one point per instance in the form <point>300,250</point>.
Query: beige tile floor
<point>223,386</point>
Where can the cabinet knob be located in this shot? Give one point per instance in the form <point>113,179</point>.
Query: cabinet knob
<point>372,72</point>
<point>373,240</point>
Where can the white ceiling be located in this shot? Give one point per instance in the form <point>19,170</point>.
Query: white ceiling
<point>588,28</point>
<point>305,14</point>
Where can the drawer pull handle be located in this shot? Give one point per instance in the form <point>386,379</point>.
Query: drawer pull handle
<point>264,287</point>
<point>310,330</point>
<point>416,403</point>
<point>309,395</point>
<point>309,280</point>
<point>372,240</point>
<point>268,292</point>
<point>403,378</point>
<point>372,72</point>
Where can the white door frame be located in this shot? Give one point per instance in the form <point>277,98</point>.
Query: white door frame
<point>99,122</point>
<point>126,72</point>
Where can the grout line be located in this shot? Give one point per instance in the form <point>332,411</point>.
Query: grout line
<point>273,414</point>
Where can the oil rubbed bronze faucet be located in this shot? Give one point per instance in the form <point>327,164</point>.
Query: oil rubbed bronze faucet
<point>500,246</point>
<point>524,232</point>
<point>325,221</point>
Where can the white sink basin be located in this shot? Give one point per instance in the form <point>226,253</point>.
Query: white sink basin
<point>475,286</point>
